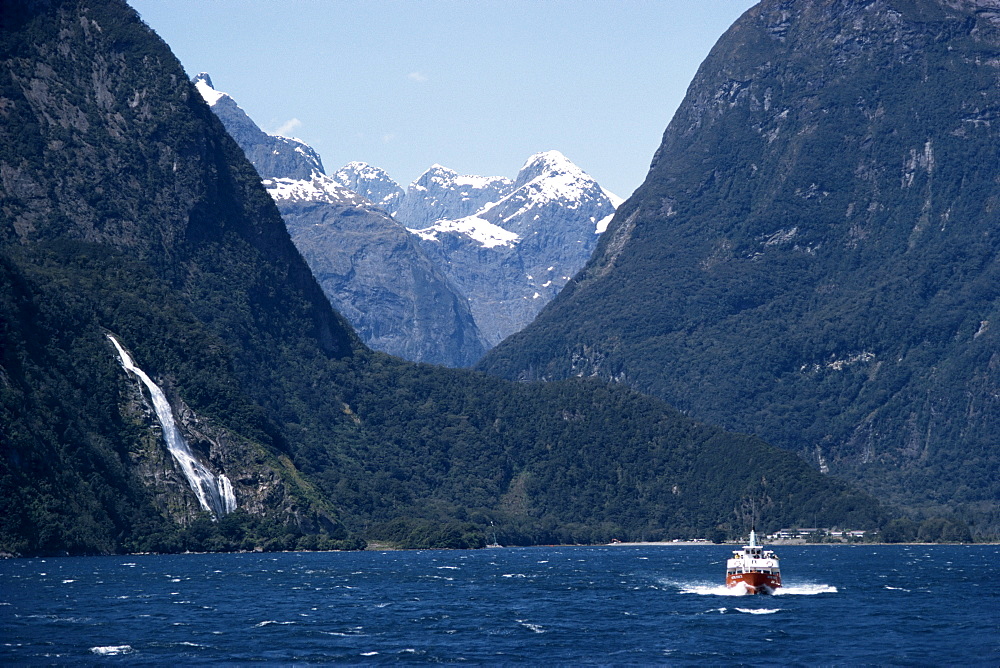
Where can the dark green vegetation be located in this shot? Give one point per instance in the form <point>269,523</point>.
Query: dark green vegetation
<point>127,209</point>
<point>814,257</point>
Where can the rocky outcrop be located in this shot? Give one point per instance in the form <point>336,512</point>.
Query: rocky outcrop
<point>442,193</point>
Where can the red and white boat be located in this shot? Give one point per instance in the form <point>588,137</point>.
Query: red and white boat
<point>754,568</point>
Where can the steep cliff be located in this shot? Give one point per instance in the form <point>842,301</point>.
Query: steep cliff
<point>813,255</point>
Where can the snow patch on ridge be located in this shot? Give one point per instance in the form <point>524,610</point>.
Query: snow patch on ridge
<point>443,176</point>
<point>321,188</point>
<point>602,224</point>
<point>475,228</point>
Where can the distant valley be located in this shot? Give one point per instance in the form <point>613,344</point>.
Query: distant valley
<point>444,270</point>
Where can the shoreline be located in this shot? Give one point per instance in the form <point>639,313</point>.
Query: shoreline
<point>780,543</point>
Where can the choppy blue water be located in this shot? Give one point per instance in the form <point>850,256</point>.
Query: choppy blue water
<point>895,605</point>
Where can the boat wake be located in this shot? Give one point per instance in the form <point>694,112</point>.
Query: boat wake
<point>709,589</point>
<point>706,589</point>
<point>805,590</point>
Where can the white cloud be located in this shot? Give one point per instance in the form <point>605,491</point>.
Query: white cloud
<point>288,126</point>
<point>387,138</point>
<point>419,77</point>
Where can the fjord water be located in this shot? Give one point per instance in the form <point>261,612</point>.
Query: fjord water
<point>891,605</point>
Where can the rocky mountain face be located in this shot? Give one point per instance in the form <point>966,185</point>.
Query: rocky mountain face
<point>508,246</point>
<point>376,275</point>
<point>813,257</point>
<point>127,210</point>
<point>371,269</point>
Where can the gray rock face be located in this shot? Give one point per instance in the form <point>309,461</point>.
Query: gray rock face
<point>370,268</point>
<point>373,271</point>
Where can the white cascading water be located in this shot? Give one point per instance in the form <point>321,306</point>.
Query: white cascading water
<point>215,493</point>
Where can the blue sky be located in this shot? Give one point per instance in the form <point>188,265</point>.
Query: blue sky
<point>477,86</point>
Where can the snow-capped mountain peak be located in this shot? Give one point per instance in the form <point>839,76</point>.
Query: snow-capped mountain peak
<point>441,193</point>
<point>203,83</point>
<point>372,183</point>
<point>438,178</point>
<point>548,188</point>
<point>546,163</point>
<point>510,245</point>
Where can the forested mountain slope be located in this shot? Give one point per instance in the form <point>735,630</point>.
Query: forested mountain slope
<point>813,257</point>
<point>127,210</point>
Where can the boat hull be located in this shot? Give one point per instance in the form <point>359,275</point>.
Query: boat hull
<point>754,582</point>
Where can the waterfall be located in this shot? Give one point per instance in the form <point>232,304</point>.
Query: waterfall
<point>215,493</point>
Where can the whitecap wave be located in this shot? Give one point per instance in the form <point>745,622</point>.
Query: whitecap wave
<point>537,628</point>
<point>759,611</point>
<point>112,650</point>
<point>269,622</point>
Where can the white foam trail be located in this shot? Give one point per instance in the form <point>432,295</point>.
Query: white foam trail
<point>706,589</point>
<point>759,611</point>
<point>710,589</point>
<point>805,590</point>
<point>214,494</point>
